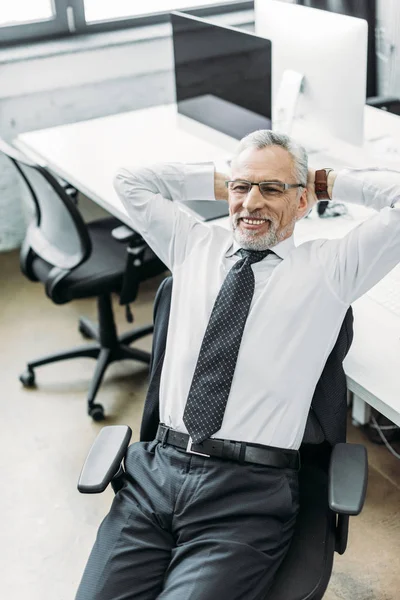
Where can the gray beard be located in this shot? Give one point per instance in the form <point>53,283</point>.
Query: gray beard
<point>251,240</point>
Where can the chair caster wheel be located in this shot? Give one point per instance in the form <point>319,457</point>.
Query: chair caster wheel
<point>27,378</point>
<point>96,411</point>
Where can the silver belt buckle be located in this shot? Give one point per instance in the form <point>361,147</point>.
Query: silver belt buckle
<point>190,451</point>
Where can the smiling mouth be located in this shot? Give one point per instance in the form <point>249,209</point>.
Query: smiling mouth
<point>252,223</point>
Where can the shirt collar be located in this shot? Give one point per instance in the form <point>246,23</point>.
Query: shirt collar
<point>282,249</point>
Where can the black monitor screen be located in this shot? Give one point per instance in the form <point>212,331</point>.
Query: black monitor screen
<point>222,76</point>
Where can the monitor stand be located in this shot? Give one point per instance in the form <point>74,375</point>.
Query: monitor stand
<point>287,97</point>
<point>289,116</point>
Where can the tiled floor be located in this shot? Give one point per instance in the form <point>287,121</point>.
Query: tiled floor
<point>47,527</point>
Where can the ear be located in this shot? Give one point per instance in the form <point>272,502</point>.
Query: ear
<point>302,206</point>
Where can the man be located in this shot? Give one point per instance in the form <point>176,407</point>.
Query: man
<point>253,319</point>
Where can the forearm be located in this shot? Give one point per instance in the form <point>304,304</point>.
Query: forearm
<point>140,189</point>
<point>373,188</point>
<point>146,194</point>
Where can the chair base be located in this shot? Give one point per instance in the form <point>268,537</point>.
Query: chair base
<point>109,348</point>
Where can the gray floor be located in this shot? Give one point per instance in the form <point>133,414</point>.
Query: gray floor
<point>47,527</point>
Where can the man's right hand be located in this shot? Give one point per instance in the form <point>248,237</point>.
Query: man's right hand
<point>220,190</point>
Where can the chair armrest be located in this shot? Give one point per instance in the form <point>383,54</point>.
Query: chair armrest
<point>124,234</point>
<point>348,477</point>
<point>104,459</point>
<point>136,248</point>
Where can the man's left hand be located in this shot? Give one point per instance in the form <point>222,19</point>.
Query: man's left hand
<point>311,196</point>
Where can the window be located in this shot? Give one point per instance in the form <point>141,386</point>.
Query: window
<point>104,10</point>
<point>29,19</point>
<point>23,20</point>
<point>19,11</point>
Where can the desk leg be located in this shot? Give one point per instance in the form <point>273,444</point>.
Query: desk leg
<point>361,411</point>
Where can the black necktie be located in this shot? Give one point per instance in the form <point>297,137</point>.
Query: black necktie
<point>216,364</point>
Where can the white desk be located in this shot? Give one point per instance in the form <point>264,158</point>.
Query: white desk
<point>87,155</point>
<point>372,365</point>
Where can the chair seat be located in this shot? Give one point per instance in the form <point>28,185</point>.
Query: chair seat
<point>101,274</point>
<point>305,572</point>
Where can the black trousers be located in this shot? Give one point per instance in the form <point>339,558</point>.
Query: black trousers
<point>186,527</point>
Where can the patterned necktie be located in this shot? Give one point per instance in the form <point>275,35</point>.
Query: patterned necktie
<point>212,379</point>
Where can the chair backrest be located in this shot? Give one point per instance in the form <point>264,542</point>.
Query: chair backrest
<point>57,232</point>
<point>327,416</point>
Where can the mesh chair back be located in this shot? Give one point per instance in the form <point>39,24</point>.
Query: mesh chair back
<point>57,232</point>
<point>327,416</point>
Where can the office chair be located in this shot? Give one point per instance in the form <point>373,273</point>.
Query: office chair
<point>77,260</point>
<point>333,476</point>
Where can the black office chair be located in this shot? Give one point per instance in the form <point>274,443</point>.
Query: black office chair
<point>333,476</point>
<point>77,260</point>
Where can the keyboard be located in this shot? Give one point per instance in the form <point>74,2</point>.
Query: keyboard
<point>387,291</point>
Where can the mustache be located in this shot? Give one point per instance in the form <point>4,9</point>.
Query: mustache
<point>254,215</point>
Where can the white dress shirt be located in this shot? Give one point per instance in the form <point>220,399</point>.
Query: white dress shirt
<point>301,295</point>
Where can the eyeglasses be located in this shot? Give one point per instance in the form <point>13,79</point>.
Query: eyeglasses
<point>241,188</point>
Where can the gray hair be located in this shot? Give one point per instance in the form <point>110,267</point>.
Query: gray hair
<point>265,137</point>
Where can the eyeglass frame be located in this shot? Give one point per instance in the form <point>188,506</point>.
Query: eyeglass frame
<point>286,186</point>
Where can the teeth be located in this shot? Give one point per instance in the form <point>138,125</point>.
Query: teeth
<point>253,221</point>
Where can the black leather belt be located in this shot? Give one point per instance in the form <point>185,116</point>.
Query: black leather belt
<point>231,450</point>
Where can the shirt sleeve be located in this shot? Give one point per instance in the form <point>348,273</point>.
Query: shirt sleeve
<point>359,260</point>
<point>147,193</point>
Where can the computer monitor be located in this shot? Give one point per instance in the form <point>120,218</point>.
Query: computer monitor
<point>330,51</point>
<point>222,75</point>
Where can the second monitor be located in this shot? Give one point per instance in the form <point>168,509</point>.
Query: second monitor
<point>222,75</point>
<point>330,51</point>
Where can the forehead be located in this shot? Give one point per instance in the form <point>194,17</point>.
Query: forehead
<point>273,162</point>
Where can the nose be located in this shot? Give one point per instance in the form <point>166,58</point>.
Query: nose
<point>254,199</point>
